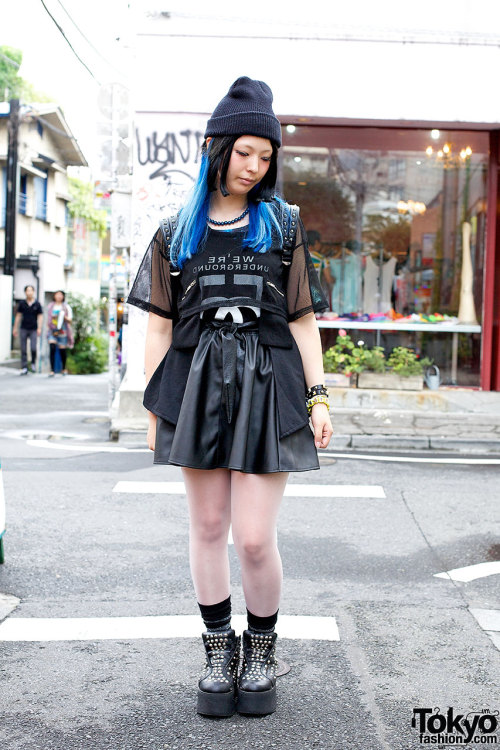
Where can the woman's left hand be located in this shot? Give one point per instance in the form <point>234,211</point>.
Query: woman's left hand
<point>322,425</point>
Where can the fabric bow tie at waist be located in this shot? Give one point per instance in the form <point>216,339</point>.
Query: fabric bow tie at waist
<point>228,333</point>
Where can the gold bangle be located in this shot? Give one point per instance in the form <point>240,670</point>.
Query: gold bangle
<point>317,400</point>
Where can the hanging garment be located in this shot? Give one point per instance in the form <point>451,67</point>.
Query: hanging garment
<point>347,274</point>
<point>377,291</point>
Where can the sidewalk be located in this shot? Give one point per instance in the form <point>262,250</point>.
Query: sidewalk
<point>451,419</point>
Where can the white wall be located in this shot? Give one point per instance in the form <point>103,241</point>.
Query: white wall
<point>336,60</point>
<point>5,317</point>
<point>162,175</point>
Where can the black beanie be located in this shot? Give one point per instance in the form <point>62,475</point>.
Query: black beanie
<point>247,109</point>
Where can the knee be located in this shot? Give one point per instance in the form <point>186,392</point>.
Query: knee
<point>210,529</point>
<point>253,550</point>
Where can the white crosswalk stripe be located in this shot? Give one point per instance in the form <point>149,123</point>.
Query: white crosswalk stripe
<point>489,621</point>
<point>295,627</point>
<point>471,572</point>
<point>291,490</point>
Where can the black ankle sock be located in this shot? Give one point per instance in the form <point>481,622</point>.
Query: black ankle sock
<point>262,624</point>
<point>217,617</point>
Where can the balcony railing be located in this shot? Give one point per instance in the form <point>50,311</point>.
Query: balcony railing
<point>41,210</point>
<point>23,200</point>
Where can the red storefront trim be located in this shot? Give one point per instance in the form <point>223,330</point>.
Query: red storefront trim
<point>490,372</point>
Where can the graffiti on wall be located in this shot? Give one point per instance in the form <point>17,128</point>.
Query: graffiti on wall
<point>166,162</point>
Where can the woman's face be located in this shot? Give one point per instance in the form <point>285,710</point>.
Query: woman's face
<point>58,297</point>
<point>249,162</point>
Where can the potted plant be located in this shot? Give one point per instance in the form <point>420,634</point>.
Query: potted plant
<point>342,361</point>
<point>347,363</point>
<point>405,371</point>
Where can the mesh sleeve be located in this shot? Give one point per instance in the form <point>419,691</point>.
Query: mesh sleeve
<point>151,289</point>
<point>304,293</point>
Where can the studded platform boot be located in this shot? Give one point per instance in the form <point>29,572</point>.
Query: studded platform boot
<point>257,681</point>
<point>218,684</point>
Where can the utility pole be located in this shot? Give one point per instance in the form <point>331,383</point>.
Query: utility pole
<point>12,190</point>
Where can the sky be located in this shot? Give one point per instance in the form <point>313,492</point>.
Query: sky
<point>51,66</point>
<point>108,25</point>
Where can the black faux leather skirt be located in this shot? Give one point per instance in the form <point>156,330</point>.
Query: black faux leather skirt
<point>229,413</point>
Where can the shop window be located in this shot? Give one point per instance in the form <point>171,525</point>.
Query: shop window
<point>389,207</point>
<point>40,185</point>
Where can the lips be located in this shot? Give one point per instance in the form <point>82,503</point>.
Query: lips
<point>246,182</point>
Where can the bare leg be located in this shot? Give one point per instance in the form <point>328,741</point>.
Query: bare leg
<point>255,503</point>
<point>209,501</point>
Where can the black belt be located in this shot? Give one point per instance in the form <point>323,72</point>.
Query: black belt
<point>229,333</point>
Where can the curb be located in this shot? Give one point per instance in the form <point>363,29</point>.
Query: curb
<point>403,443</point>
<point>397,443</point>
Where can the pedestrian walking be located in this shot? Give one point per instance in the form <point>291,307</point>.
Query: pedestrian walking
<point>28,325</point>
<point>59,330</point>
<point>234,369</point>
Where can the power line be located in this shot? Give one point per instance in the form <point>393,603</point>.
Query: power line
<point>87,39</point>
<point>69,43</point>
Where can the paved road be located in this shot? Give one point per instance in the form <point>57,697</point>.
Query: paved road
<point>77,548</point>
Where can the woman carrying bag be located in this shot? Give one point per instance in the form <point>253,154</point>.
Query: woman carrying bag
<point>59,330</point>
<point>235,379</point>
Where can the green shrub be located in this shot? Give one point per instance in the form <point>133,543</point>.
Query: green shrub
<point>345,357</point>
<point>374,359</point>
<point>89,356</point>
<point>405,362</point>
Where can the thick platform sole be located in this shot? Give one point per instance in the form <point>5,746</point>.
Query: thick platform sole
<point>216,704</point>
<point>257,703</point>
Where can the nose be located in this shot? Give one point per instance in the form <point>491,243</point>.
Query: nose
<point>253,163</point>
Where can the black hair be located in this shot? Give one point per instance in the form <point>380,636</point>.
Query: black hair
<point>219,155</point>
<point>28,286</point>
<point>63,294</point>
<point>313,236</point>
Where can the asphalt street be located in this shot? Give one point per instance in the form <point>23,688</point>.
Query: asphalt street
<point>361,544</point>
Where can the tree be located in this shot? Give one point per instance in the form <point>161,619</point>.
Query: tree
<point>392,234</point>
<point>82,206</point>
<point>12,86</point>
<point>324,205</point>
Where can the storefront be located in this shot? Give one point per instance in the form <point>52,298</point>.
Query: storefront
<point>402,225</point>
<point>402,222</point>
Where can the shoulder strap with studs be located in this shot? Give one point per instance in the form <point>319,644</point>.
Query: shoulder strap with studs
<point>168,227</point>
<point>289,224</point>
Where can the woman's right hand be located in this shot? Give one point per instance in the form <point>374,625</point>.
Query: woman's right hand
<point>151,436</point>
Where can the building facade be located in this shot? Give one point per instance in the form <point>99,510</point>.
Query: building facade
<point>389,161</point>
<point>46,147</point>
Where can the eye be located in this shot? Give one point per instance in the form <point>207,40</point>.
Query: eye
<point>266,158</point>
<point>241,153</point>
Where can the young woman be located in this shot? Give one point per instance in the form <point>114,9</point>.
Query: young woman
<point>59,330</point>
<point>232,346</point>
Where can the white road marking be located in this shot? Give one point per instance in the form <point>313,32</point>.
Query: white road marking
<point>471,572</point>
<point>296,627</point>
<point>416,459</point>
<point>99,448</point>
<point>291,490</point>
<point>489,621</point>
<point>85,448</point>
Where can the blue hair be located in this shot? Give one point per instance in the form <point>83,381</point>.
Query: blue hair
<point>192,229</point>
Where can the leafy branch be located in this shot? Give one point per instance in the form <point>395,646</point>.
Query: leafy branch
<point>82,206</point>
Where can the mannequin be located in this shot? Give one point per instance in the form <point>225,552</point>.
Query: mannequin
<point>467,310</point>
